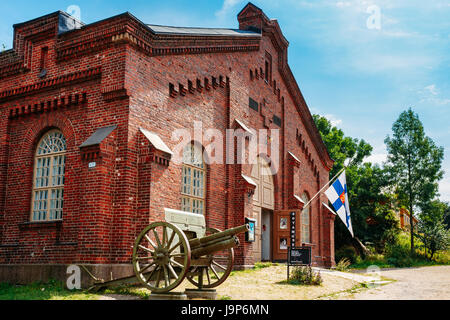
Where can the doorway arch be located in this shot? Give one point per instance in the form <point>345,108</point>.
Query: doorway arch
<point>263,206</point>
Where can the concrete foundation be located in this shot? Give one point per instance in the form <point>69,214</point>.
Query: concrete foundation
<point>168,296</point>
<point>204,294</point>
<point>26,274</point>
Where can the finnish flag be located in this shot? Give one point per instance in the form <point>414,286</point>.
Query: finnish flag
<point>338,196</point>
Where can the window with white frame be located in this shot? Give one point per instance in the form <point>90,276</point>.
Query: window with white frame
<point>305,221</point>
<point>48,180</point>
<point>193,183</point>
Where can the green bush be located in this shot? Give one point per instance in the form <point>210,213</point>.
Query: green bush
<point>397,253</point>
<point>305,276</point>
<point>343,264</point>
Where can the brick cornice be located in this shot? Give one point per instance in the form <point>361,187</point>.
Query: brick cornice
<point>11,69</point>
<point>51,83</point>
<point>127,29</point>
<point>70,100</point>
<point>121,29</point>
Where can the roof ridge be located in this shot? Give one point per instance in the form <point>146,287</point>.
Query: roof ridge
<point>221,28</point>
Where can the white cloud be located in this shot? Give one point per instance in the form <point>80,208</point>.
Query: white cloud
<point>333,120</point>
<point>341,4</point>
<point>226,8</point>
<point>430,95</point>
<point>377,158</point>
<point>432,89</point>
<point>444,189</point>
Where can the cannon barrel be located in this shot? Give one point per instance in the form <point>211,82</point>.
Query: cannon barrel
<point>194,243</point>
<point>229,242</point>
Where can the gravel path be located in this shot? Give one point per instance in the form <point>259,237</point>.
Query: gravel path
<point>426,283</point>
<point>409,284</point>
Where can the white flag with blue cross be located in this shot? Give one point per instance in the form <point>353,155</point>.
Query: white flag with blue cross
<point>338,196</point>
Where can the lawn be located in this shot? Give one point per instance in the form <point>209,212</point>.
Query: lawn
<point>441,258</point>
<point>38,291</point>
<point>265,282</point>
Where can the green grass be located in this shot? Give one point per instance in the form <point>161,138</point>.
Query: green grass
<point>355,289</point>
<point>256,267</point>
<point>140,292</point>
<point>419,260</point>
<point>52,290</point>
<point>262,265</point>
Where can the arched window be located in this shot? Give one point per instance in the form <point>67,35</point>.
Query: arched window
<point>193,183</point>
<point>48,180</point>
<point>305,221</point>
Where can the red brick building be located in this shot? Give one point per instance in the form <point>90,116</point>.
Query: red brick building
<point>86,150</point>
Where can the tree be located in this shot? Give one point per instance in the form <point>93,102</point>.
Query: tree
<point>414,163</point>
<point>435,211</point>
<point>447,217</point>
<point>340,147</point>
<point>364,181</point>
<point>435,237</point>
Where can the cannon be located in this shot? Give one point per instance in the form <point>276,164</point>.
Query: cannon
<point>167,252</point>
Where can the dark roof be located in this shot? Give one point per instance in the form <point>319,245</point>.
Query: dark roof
<point>98,136</point>
<point>201,31</point>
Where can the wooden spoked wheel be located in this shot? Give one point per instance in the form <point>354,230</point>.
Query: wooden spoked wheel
<point>218,268</point>
<point>161,257</point>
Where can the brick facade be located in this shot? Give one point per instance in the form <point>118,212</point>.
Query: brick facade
<point>119,72</point>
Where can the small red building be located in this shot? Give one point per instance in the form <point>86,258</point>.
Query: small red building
<point>87,155</point>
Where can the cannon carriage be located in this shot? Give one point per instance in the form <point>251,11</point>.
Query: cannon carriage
<point>181,247</point>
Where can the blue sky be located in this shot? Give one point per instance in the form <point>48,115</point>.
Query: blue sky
<point>361,78</point>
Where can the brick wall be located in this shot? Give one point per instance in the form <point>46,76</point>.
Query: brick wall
<point>116,72</point>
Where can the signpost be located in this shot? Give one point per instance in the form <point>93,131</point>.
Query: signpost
<point>297,256</point>
<point>293,228</point>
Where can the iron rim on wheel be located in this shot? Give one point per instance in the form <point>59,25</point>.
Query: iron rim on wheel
<point>161,257</point>
<point>220,264</point>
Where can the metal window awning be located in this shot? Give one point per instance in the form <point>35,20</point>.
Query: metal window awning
<point>294,157</point>
<point>249,180</point>
<point>98,136</point>
<point>156,141</point>
<point>243,126</point>
<point>299,199</point>
<point>329,209</point>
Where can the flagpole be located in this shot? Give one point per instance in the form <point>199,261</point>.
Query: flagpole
<point>326,185</point>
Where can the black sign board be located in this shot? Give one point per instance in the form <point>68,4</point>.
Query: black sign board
<point>293,228</point>
<point>299,256</point>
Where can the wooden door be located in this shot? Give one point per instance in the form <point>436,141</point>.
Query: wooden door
<point>281,233</point>
<point>264,193</point>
